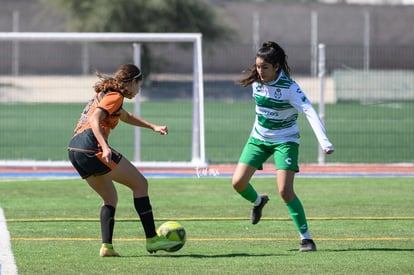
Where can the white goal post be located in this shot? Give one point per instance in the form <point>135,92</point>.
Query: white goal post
<point>198,158</point>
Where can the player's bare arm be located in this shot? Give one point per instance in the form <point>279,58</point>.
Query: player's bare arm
<point>129,118</point>
<point>94,121</point>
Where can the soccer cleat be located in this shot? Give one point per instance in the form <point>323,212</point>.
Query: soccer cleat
<point>107,250</point>
<point>160,243</point>
<point>257,210</point>
<point>307,245</point>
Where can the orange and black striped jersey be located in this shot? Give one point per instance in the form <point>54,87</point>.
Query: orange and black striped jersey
<point>108,101</point>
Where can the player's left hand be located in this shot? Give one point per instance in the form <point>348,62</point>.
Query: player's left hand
<point>163,130</point>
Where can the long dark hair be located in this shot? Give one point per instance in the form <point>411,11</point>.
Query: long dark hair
<point>272,53</point>
<point>125,74</point>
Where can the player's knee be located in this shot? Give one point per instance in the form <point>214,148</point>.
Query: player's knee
<point>144,182</point>
<point>140,188</point>
<point>238,184</point>
<point>286,195</point>
<point>235,182</point>
<point>112,201</point>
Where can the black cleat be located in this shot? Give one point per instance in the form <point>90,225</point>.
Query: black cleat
<point>307,245</point>
<point>257,210</point>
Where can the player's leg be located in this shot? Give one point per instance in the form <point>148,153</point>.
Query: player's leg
<point>286,158</point>
<point>88,166</point>
<point>127,174</point>
<point>252,158</point>
<point>105,188</point>
<point>241,179</point>
<point>241,184</point>
<point>285,179</point>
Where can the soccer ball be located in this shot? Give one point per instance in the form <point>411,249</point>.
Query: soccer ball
<point>174,232</point>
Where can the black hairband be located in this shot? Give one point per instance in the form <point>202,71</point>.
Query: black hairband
<point>132,77</point>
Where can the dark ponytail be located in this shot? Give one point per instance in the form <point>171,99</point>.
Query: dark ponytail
<point>272,53</point>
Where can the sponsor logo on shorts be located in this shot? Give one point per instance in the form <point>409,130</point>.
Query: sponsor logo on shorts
<point>288,160</point>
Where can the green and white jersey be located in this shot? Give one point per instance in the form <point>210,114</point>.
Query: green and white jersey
<point>278,104</point>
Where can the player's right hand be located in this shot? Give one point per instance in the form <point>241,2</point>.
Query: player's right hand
<point>329,150</point>
<point>107,155</point>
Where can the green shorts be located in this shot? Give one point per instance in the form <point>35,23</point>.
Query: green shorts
<point>285,154</point>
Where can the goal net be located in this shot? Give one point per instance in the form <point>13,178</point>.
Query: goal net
<point>47,78</point>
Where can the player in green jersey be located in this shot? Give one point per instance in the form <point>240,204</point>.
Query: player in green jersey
<point>275,132</point>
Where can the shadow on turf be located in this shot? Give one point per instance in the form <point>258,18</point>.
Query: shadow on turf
<point>201,256</point>
<point>385,249</point>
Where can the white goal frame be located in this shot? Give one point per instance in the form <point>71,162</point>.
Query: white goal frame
<point>198,158</point>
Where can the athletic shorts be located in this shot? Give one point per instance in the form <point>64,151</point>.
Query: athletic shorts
<point>285,154</point>
<point>91,163</point>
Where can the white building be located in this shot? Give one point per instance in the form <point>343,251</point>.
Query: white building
<point>371,2</point>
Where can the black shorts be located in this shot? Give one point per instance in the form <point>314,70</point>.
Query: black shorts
<point>91,164</point>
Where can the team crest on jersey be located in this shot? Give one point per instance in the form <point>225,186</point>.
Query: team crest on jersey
<point>259,89</point>
<point>278,93</point>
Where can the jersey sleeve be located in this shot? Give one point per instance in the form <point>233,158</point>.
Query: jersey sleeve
<point>300,101</point>
<point>111,102</point>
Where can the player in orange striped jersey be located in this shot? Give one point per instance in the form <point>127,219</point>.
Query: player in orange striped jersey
<point>100,165</point>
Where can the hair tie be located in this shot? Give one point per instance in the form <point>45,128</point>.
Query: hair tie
<point>132,77</point>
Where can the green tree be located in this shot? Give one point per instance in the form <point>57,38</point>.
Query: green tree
<point>144,16</point>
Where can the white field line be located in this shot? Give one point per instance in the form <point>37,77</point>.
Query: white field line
<point>8,266</point>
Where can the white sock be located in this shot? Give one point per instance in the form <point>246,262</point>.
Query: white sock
<point>258,200</point>
<point>305,235</point>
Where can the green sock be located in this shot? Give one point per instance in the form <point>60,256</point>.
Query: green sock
<point>298,215</point>
<point>249,193</point>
